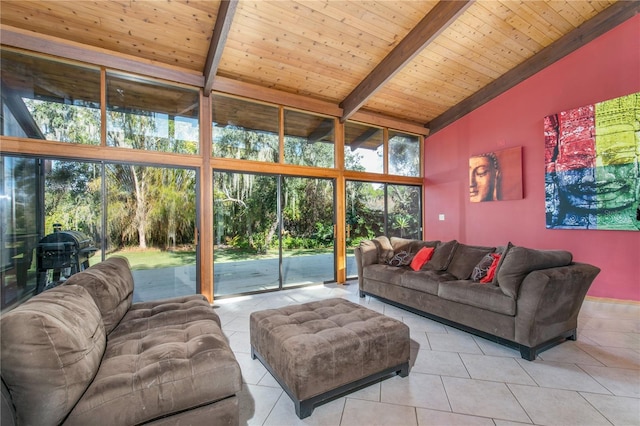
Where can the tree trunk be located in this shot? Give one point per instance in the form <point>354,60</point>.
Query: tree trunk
<point>271,233</point>
<point>141,208</point>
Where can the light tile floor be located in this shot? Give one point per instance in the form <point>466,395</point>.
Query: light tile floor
<point>460,379</point>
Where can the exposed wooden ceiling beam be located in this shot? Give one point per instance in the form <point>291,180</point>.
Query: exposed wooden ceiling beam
<point>220,31</point>
<point>323,130</point>
<point>606,20</point>
<point>363,137</point>
<point>436,21</point>
<point>20,112</point>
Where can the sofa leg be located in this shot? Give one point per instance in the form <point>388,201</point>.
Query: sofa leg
<point>527,353</point>
<point>573,335</point>
<point>361,293</point>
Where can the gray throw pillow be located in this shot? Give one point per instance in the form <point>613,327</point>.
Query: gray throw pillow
<point>465,258</point>
<point>481,269</point>
<point>402,258</point>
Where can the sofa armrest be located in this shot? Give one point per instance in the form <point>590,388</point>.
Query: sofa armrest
<point>366,254</point>
<point>549,302</point>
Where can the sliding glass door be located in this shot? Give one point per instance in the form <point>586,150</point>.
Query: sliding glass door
<point>271,232</point>
<point>246,228</point>
<point>19,229</point>
<point>375,209</point>
<point>150,219</point>
<point>308,254</point>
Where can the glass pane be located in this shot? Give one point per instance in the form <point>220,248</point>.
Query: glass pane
<point>18,229</point>
<point>245,254</point>
<point>72,202</point>
<point>365,216</point>
<point>404,211</point>
<point>142,114</point>
<point>404,154</point>
<point>151,212</point>
<point>307,235</point>
<point>45,99</point>
<point>245,130</point>
<point>308,139</point>
<point>363,148</point>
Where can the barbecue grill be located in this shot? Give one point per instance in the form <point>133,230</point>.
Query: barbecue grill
<point>62,254</point>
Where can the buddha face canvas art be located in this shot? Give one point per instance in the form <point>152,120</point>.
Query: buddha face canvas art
<point>496,176</point>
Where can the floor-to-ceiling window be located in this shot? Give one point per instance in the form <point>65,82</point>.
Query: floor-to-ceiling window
<point>131,150</point>
<point>386,206</point>
<point>272,230</point>
<point>125,201</point>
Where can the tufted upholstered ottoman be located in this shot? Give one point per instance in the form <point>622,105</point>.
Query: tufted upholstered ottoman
<point>321,350</point>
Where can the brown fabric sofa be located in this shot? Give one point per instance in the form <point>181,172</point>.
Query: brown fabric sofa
<point>83,354</point>
<point>532,302</point>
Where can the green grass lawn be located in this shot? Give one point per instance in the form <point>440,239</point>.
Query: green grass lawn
<point>152,258</point>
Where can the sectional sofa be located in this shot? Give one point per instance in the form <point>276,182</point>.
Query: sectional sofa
<point>531,302</point>
<point>83,354</point>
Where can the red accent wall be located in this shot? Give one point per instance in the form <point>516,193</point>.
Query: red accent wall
<point>606,68</point>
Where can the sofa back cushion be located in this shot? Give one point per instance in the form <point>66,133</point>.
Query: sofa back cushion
<point>441,256</point>
<point>519,261</point>
<point>110,283</point>
<point>410,245</point>
<point>385,250</point>
<point>51,348</point>
<point>465,258</point>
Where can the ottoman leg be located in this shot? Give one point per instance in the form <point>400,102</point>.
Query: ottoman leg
<point>404,370</point>
<point>303,408</point>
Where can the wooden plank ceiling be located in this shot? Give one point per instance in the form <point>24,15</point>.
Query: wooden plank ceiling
<point>426,62</point>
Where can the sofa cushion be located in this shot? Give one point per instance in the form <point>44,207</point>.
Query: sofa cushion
<point>465,258</point>
<point>441,256</point>
<point>145,317</point>
<point>159,373</point>
<point>385,250</point>
<point>410,245</point>
<point>110,283</point>
<point>385,273</point>
<point>502,250</point>
<point>51,350</point>
<point>426,281</point>
<point>519,261</point>
<point>368,251</point>
<point>479,295</point>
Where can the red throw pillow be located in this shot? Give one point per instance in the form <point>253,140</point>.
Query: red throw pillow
<point>422,256</point>
<point>492,269</point>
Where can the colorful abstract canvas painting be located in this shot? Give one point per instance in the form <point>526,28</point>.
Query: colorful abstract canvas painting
<point>592,177</point>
